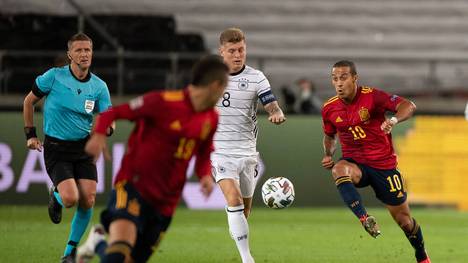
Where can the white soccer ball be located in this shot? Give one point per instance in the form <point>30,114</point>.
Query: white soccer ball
<point>278,192</point>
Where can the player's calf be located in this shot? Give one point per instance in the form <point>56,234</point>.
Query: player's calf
<point>350,196</point>
<point>239,229</point>
<point>415,237</point>
<point>117,252</point>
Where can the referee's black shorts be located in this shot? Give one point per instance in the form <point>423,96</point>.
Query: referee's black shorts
<point>67,159</point>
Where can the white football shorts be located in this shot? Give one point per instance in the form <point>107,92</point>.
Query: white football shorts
<point>243,169</point>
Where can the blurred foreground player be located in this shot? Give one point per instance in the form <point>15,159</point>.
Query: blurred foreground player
<point>357,115</point>
<point>170,127</point>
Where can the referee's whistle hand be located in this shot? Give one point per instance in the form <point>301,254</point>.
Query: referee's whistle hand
<point>34,144</point>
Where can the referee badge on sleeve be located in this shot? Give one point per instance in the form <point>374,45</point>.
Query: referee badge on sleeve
<point>89,106</point>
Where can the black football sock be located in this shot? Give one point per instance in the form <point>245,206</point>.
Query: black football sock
<point>416,239</point>
<point>117,252</point>
<point>350,196</point>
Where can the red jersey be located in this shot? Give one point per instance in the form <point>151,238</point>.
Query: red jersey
<point>358,126</point>
<point>167,133</point>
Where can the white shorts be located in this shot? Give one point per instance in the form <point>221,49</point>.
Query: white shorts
<point>243,169</point>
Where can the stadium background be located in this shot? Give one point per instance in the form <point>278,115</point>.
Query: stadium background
<point>416,49</point>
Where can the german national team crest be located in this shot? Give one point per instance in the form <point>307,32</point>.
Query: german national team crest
<point>364,114</point>
<point>221,169</point>
<point>243,84</point>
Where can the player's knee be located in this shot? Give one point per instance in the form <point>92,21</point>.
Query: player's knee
<point>340,170</point>
<point>69,199</point>
<point>88,201</point>
<point>234,200</point>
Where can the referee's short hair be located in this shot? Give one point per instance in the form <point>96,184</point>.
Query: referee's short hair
<point>209,69</point>
<point>79,37</point>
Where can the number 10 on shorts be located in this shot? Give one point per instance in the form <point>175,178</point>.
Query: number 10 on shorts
<point>395,183</point>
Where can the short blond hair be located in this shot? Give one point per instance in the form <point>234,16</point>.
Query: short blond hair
<point>79,37</point>
<point>231,35</point>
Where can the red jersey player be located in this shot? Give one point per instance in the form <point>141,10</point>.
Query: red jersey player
<point>170,127</point>
<point>357,115</point>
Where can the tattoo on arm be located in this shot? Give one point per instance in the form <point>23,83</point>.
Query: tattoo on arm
<point>329,145</point>
<point>273,108</point>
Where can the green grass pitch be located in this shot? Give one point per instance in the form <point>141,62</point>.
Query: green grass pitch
<point>323,235</point>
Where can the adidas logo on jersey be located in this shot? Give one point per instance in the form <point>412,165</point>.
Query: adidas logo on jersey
<point>175,125</point>
<point>338,119</point>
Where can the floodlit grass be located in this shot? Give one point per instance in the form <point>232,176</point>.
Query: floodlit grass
<point>292,235</point>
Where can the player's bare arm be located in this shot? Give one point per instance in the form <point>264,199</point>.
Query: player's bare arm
<point>329,147</point>
<point>405,110</point>
<point>275,113</point>
<point>97,145</point>
<point>28,114</point>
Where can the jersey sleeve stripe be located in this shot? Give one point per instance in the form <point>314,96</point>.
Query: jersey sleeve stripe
<point>330,101</point>
<point>36,91</point>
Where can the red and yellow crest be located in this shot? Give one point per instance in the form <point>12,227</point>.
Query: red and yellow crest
<point>364,114</point>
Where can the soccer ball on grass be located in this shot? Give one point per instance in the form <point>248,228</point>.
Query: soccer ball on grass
<point>278,192</point>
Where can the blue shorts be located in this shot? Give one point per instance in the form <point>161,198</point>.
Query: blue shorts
<point>388,184</point>
<point>126,203</point>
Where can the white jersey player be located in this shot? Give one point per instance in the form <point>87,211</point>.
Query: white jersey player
<point>235,158</point>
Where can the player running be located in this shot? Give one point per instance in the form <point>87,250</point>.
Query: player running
<point>235,158</point>
<point>170,127</point>
<point>72,96</point>
<point>357,115</point>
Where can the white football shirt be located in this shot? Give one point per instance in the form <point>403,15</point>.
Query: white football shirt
<point>237,128</point>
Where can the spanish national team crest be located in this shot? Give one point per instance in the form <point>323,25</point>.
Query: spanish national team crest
<point>243,84</point>
<point>364,114</point>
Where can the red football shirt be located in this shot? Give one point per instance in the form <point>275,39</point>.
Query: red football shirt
<point>167,133</point>
<point>358,127</point>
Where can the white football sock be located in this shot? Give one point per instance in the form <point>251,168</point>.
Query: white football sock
<point>239,229</point>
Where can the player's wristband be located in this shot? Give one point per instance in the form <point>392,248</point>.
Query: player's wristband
<point>394,120</point>
<point>111,131</point>
<point>30,132</point>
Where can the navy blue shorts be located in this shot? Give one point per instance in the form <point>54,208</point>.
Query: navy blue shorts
<point>388,185</point>
<point>126,203</point>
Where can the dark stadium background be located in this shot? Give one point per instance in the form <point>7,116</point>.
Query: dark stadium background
<point>417,49</point>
